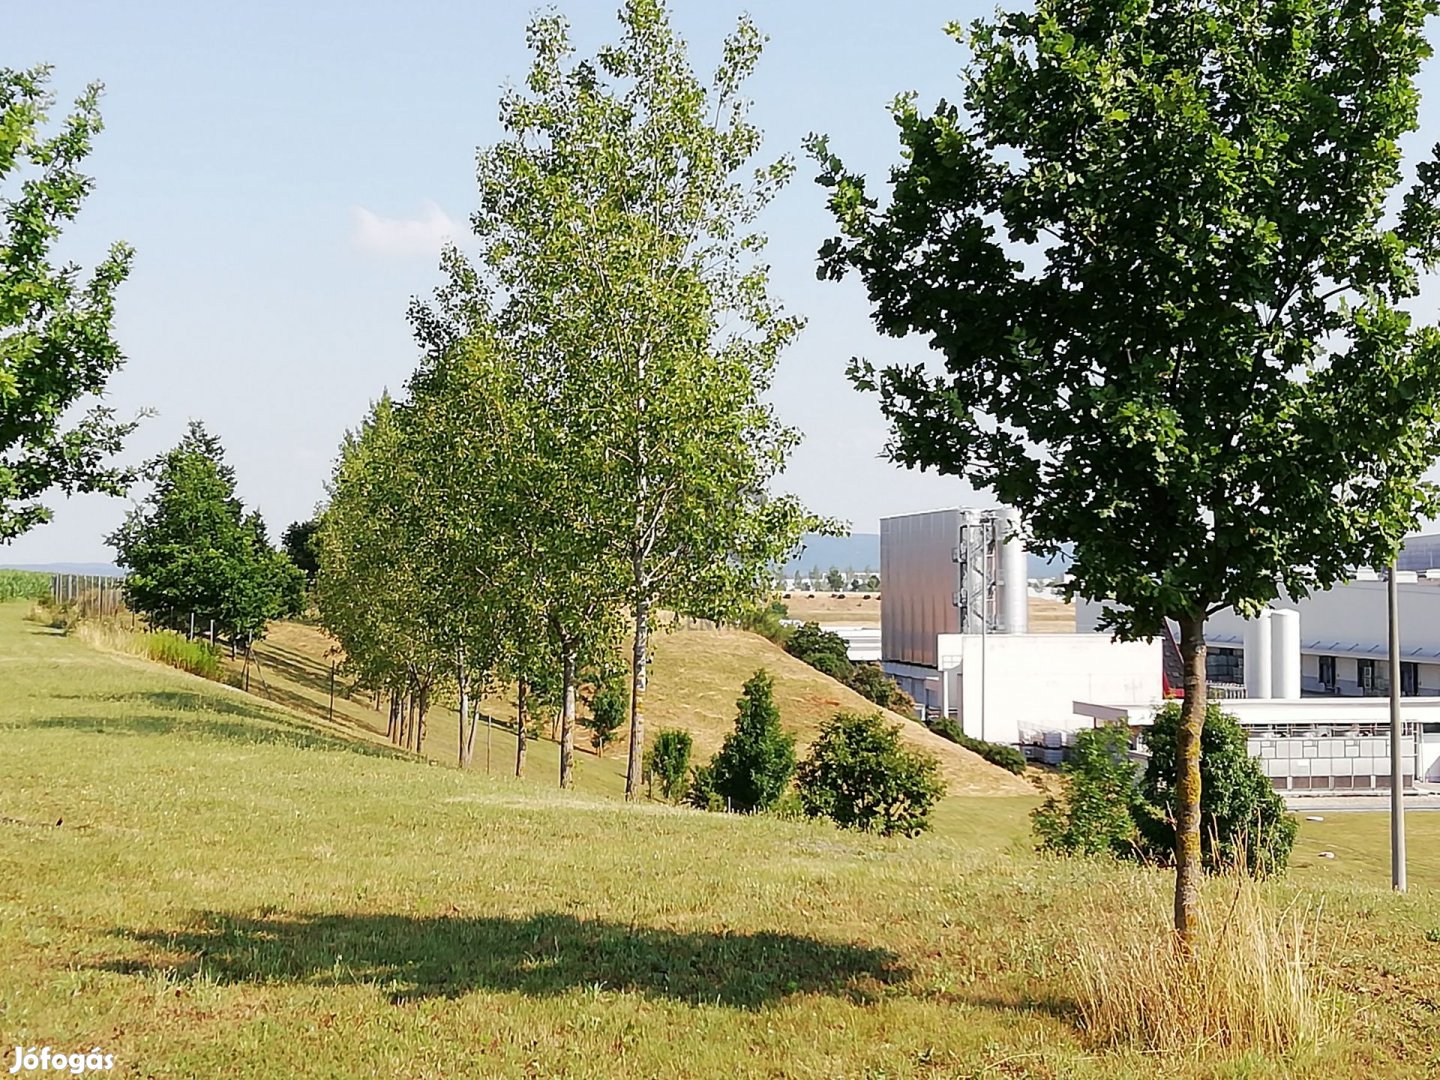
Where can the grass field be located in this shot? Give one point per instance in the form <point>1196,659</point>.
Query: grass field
<point>233,890</point>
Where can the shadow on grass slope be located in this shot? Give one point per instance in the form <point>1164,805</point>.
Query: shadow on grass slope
<point>536,955</point>
<point>205,716</point>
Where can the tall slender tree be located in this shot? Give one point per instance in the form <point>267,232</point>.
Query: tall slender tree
<point>616,221</point>
<point>1157,253</point>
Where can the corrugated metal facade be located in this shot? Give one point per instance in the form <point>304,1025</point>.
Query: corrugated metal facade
<point>1420,553</point>
<point>917,567</point>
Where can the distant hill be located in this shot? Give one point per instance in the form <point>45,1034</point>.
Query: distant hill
<point>862,551</point>
<point>858,550</point>
<point>98,569</point>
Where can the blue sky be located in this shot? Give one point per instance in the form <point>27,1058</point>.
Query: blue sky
<point>286,172</point>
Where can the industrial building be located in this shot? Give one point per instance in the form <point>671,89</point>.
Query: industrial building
<point>1307,679</point>
<point>954,633</point>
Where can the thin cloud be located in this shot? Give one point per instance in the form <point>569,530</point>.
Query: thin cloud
<point>422,235</point>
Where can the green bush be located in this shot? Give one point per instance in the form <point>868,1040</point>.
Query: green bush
<point>1243,821</point>
<point>1093,815</point>
<point>767,621</point>
<point>1007,757</point>
<point>823,650</point>
<point>667,762</point>
<point>702,794</point>
<point>1105,808</point>
<point>870,682</point>
<point>860,776</point>
<point>755,764</point>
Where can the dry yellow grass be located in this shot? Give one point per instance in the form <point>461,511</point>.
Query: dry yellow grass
<point>1051,616</point>
<point>695,681</point>
<point>698,674</point>
<point>828,610</point>
<point>1252,981</point>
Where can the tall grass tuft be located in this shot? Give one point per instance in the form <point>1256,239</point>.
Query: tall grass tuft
<point>163,646</point>
<point>24,585</point>
<point>1250,982</point>
<point>168,647</point>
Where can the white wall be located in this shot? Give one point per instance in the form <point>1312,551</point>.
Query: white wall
<point>1351,615</point>
<point>1014,688</point>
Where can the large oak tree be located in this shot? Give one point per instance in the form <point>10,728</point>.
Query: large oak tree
<point>1161,253</point>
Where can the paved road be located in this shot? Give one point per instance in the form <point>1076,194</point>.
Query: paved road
<point>1342,804</point>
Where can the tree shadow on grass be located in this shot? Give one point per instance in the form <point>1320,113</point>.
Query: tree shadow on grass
<point>206,716</point>
<point>537,955</point>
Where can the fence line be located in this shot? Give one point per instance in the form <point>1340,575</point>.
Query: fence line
<point>89,595</point>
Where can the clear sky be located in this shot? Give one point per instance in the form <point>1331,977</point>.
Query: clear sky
<point>286,173</point>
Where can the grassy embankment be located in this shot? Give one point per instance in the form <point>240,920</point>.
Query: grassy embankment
<point>235,891</point>
<point>694,684</point>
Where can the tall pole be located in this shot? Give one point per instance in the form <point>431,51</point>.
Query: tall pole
<point>1397,770</point>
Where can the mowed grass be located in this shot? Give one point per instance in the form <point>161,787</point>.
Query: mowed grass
<point>234,891</point>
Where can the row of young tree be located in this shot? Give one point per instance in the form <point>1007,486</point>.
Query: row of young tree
<point>585,445</point>
<point>834,579</point>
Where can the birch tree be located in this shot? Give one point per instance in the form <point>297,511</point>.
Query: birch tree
<point>617,224</point>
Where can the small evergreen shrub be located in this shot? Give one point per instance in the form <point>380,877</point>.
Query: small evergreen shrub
<point>701,793</point>
<point>608,711</point>
<point>667,763</point>
<point>757,760</point>
<point>860,776</point>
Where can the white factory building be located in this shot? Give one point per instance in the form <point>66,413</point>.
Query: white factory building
<point>1307,679</point>
<point>953,633</point>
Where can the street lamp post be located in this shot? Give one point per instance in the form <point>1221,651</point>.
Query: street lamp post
<point>1397,768</point>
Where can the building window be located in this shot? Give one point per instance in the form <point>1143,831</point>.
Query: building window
<point>1327,672</point>
<point>1409,679</point>
<point>1365,675</point>
<point>1224,666</point>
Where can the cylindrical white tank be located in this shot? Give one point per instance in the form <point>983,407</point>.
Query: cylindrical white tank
<point>1285,654</point>
<point>1014,572</point>
<point>1258,665</point>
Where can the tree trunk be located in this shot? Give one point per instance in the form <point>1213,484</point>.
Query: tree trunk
<point>520,691</point>
<point>420,720</point>
<point>638,673</point>
<point>567,717</point>
<point>392,732</point>
<point>470,737</point>
<point>463,686</point>
<point>1187,778</point>
<point>410,724</point>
